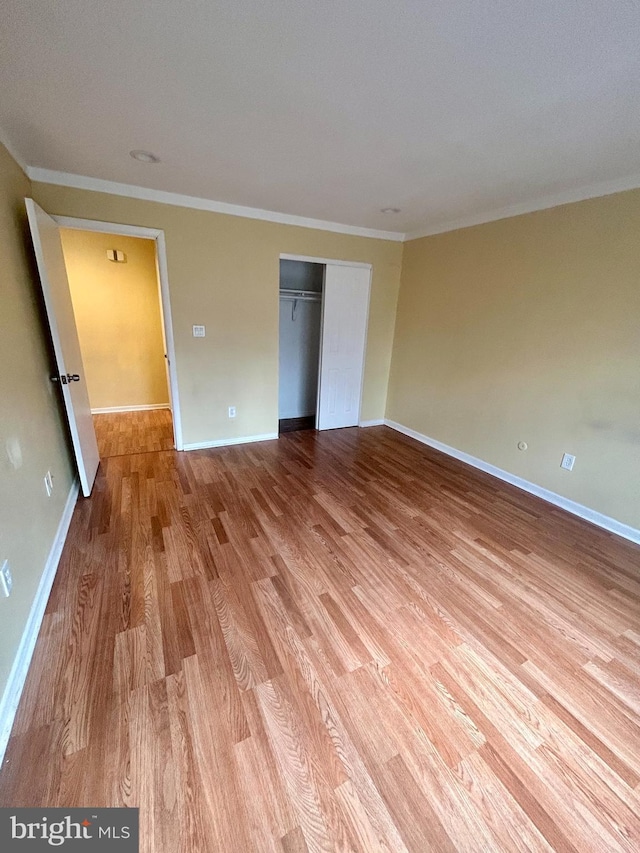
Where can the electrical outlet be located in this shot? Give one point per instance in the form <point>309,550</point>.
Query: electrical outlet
<point>48,483</point>
<point>232,411</point>
<point>568,461</point>
<point>199,331</point>
<point>6,581</point>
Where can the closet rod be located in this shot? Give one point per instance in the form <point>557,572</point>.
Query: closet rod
<point>297,294</point>
<point>293,298</point>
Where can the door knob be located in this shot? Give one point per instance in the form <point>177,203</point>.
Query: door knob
<point>73,377</point>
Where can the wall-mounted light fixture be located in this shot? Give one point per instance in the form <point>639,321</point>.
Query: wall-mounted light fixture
<point>116,256</point>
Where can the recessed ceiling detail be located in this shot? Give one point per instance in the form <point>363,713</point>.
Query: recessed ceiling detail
<point>459,112</point>
<point>144,157</point>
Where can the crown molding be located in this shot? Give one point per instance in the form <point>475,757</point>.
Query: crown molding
<point>13,153</point>
<point>81,182</point>
<point>597,190</point>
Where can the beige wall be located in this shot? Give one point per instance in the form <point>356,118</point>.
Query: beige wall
<point>223,273</point>
<point>32,439</point>
<point>529,329</point>
<point>524,329</point>
<point>117,312</point>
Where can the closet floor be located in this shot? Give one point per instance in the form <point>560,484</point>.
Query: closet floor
<point>295,424</point>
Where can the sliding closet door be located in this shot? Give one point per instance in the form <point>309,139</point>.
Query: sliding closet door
<point>344,333</point>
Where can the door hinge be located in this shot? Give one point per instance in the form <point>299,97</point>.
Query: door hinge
<point>66,378</point>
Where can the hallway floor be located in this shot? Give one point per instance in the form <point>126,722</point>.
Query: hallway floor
<point>122,433</point>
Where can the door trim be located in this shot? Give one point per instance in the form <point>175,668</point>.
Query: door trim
<point>157,235</point>
<point>284,256</point>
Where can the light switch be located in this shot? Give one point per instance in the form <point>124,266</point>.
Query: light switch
<point>198,331</point>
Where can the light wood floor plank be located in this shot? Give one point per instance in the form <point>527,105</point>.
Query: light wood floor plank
<point>339,641</point>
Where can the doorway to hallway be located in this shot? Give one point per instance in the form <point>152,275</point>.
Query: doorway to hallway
<point>115,296</point>
<point>69,371</point>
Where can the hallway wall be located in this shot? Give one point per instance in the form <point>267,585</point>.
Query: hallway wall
<point>117,311</point>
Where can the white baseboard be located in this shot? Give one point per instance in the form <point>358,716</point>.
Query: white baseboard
<point>18,674</point>
<point>597,518</point>
<point>377,422</point>
<point>147,408</point>
<point>226,442</point>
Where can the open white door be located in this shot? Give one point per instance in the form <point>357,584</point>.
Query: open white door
<point>344,336</point>
<point>62,322</point>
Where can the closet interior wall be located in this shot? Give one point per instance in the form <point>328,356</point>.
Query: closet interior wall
<point>301,285</point>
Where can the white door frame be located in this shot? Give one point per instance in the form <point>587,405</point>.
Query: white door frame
<point>284,256</point>
<point>157,235</point>
<point>308,259</point>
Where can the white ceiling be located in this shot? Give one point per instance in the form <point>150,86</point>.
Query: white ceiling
<point>452,110</point>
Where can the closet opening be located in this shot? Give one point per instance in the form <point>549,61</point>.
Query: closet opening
<point>301,290</point>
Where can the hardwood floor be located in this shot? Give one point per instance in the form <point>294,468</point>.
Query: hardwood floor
<point>336,641</point>
<point>122,433</point>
